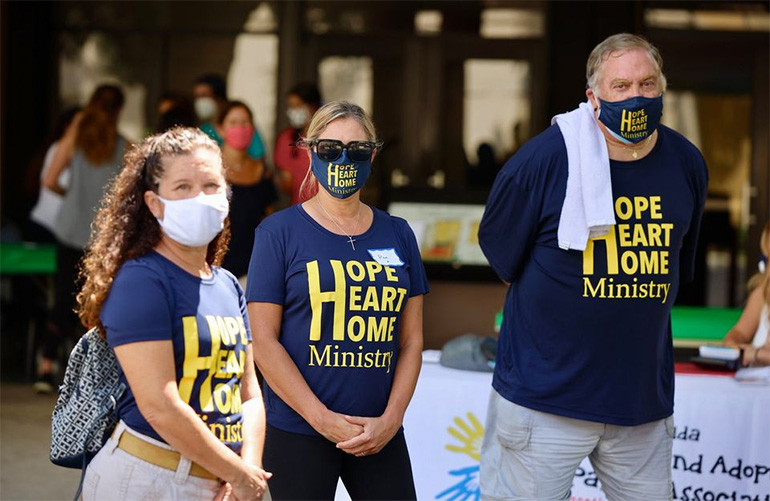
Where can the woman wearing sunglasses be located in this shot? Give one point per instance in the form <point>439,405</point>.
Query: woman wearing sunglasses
<point>335,299</point>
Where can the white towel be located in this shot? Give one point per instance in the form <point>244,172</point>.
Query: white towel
<point>587,210</point>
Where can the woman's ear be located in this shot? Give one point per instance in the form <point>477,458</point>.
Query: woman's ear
<point>153,203</point>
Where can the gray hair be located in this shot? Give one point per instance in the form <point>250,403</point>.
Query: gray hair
<point>621,42</point>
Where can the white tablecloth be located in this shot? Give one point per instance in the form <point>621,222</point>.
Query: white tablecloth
<point>722,443</point>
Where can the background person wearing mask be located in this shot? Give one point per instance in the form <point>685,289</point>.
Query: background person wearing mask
<point>192,420</point>
<point>302,101</point>
<point>92,148</point>
<point>340,372</point>
<point>253,191</point>
<point>210,96</point>
<point>585,364</point>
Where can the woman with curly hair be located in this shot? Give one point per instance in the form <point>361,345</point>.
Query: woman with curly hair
<point>192,420</point>
<point>91,148</point>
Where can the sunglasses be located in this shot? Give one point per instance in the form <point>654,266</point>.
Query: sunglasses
<point>330,150</point>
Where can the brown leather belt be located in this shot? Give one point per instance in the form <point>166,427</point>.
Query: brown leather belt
<point>158,455</point>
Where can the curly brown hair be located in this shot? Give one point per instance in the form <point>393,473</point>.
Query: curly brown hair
<point>124,228</point>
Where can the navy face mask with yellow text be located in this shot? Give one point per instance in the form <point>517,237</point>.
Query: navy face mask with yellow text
<point>631,120</point>
<point>342,177</point>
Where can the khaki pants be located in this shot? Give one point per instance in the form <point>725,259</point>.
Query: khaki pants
<point>114,474</point>
<point>533,455</point>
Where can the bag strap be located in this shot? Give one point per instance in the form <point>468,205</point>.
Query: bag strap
<point>91,434</point>
<point>90,437</point>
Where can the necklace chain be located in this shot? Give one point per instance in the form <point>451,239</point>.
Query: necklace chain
<point>635,152</point>
<point>355,228</point>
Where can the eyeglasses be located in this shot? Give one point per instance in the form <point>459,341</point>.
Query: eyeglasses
<point>330,150</point>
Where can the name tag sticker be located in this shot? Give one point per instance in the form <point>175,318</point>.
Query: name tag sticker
<point>386,257</point>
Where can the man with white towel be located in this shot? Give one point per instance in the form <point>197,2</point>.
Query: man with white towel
<point>594,223</point>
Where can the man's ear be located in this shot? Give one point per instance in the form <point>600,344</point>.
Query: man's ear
<point>153,203</point>
<point>592,98</point>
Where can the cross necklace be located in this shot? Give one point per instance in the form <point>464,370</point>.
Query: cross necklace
<point>355,228</point>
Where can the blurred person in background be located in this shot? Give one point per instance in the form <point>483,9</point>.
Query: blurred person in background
<point>174,110</point>
<point>209,98</point>
<point>253,191</point>
<point>752,331</point>
<point>291,163</point>
<point>191,421</point>
<point>92,148</point>
<point>46,210</point>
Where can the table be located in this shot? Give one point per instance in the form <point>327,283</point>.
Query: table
<point>722,432</point>
<point>38,262</point>
<point>27,258</point>
<point>693,326</point>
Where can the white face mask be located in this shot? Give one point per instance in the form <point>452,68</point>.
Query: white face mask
<point>205,108</point>
<point>298,117</point>
<point>194,222</point>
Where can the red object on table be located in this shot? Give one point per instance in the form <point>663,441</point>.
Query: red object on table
<point>693,368</point>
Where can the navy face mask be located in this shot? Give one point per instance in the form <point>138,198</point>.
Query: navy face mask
<point>632,120</point>
<point>342,177</point>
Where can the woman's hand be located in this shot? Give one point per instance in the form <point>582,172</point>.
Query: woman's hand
<point>250,485</point>
<point>747,351</point>
<point>754,356</point>
<point>225,493</point>
<point>336,428</point>
<point>376,435</point>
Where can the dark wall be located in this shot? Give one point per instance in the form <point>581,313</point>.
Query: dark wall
<point>574,29</point>
<point>28,83</point>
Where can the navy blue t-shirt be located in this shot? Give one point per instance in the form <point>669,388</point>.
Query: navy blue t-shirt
<point>341,307</point>
<point>152,299</point>
<point>587,334</point>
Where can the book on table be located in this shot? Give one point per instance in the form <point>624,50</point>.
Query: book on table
<point>719,352</point>
<point>719,357</point>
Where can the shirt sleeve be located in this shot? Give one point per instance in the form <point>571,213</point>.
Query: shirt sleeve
<point>690,244</point>
<point>242,306</point>
<point>138,307</point>
<point>509,226</point>
<point>267,269</point>
<point>417,277</point>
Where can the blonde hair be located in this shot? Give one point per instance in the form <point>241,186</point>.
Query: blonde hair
<point>762,279</point>
<point>621,42</point>
<point>325,115</point>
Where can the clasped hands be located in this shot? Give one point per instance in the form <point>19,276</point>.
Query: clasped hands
<point>358,436</point>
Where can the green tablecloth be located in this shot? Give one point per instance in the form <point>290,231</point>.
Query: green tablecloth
<point>696,325</point>
<point>27,258</point>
